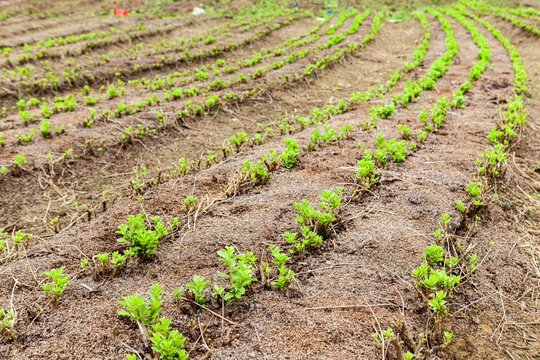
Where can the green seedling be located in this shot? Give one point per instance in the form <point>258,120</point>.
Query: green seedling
<point>218,292</point>
<point>240,273</point>
<point>197,289</point>
<point>56,288</point>
<point>23,138</point>
<point>288,157</point>
<point>285,278</point>
<point>142,241</point>
<point>8,319</point>
<point>45,129</point>
<point>460,205</point>
<point>143,312</point>
<point>404,131</point>
<point>190,203</point>
<point>167,343</point>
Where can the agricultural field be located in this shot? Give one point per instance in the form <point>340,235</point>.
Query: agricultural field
<point>337,180</point>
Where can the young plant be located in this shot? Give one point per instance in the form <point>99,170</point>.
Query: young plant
<point>190,203</point>
<point>365,174</point>
<point>386,111</point>
<point>142,241</point>
<point>434,281</point>
<point>143,312</point>
<point>57,286</point>
<point>23,138</point>
<point>197,289</point>
<point>166,342</point>
<point>320,221</point>
<point>404,131</point>
<point>240,273</point>
<point>7,324</point>
<point>45,129</point>
<point>288,157</point>
<point>21,239</point>
<point>285,278</point>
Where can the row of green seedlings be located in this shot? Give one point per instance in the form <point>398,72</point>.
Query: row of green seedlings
<point>105,39</point>
<point>439,110</point>
<point>263,54</point>
<point>185,166</point>
<point>43,49</point>
<point>33,83</point>
<point>434,281</point>
<point>515,117</point>
<point>139,46</point>
<point>412,89</point>
<point>218,84</point>
<point>527,13</point>
<point>24,72</point>
<point>61,104</point>
<point>315,226</point>
<point>223,66</point>
<point>142,243</point>
<point>45,129</point>
<point>70,39</point>
<point>418,56</point>
<point>113,92</point>
<point>333,40</point>
<point>122,108</point>
<point>240,25</point>
<point>435,286</point>
<point>350,49</point>
<point>484,8</point>
<point>259,171</point>
<point>518,22</point>
<point>396,149</point>
<point>321,64</point>
<point>433,120</point>
<point>442,272</point>
<point>241,275</point>
<point>286,126</point>
<point>196,110</point>
<point>319,221</point>
<point>492,162</point>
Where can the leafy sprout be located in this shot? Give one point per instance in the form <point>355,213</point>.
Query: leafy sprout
<point>55,288</point>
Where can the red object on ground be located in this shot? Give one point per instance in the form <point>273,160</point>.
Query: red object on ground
<point>119,12</point>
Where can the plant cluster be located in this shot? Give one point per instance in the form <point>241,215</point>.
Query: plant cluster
<point>321,221</point>
<point>8,319</point>
<point>56,288</point>
<point>166,343</point>
<point>142,241</point>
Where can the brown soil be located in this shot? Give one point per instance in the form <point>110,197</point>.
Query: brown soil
<point>358,280</point>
